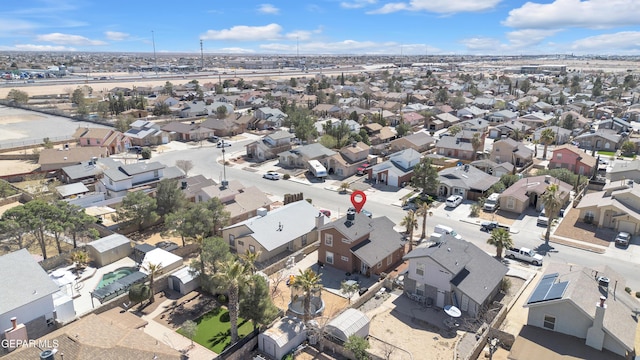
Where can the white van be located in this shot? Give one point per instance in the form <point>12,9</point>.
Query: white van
<point>445,230</point>
<point>492,203</point>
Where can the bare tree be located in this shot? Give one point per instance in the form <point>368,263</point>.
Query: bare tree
<point>276,280</point>
<point>184,165</point>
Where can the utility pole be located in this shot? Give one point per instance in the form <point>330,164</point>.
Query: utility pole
<point>155,59</point>
<point>201,57</point>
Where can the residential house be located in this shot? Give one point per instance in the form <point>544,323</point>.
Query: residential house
<point>576,160</point>
<point>563,135</point>
<point>477,125</point>
<point>616,207</point>
<point>502,116</point>
<point>87,171</point>
<point>420,142</point>
<point>347,161</point>
<point>511,151</point>
<point>113,140</point>
<point>195,108</point>
<point>117,182</point>
<point>493,168</point>
<point>413,119</point>
<point>187,131</point>
<point>543,107</point>
<point>624,170</point>
<point>471,112</point>
<point>31,296</point>
<point>324,110</point>
<point>459,146</point>
<point>55,159</point>
<point>231,125</point>
<point>275,233</point>
<point>615,123</point>
<point>535,119</point>
<point>574,300</point>
<point>192,185</point>
<point>485,103</point>
<point>241,202</point>
<point>526,192</point>
<point>300,156</point>
<point>453,272</point>
<point>443,120</point>
<point>358,244</point>
<point>145,133</point>
<point>385,135</point>
<point>269,118</point>
<point>508,129</point>
<point>601,139</point>
<point>396,171</point>
<point>467,181</point>
<point>270,146</point>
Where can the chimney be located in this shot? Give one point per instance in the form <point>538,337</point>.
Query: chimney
<point>319,220</point>
<point>184,185</point>
<point>261,212</point>
<point>15,335</point>
<point>595,334</point>
<point>351,214</point>
<point>14,323</point>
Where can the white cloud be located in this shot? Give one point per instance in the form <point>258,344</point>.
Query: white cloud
<point>349,46</point>
<point>33,47</point>
<point>575,13</point>
<point>268,9</point>
<point>439,6</point>
<point>116,35</point>
<point>520,39</point>
<point>8,27</point>
<point>245,33</point>
<point>68,39</point>
<point>620,42</point>
<point>236,50</point>
<point>302,35</point>
<point>357,4</point>
<point>482,44</point>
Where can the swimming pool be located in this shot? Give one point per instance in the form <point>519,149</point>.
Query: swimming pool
<point>111,277</point>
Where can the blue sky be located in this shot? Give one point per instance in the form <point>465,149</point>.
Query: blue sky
<point>410,27</point>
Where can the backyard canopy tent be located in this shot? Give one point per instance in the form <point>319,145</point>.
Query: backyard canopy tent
<point>284,336</point>
<point>165,259</point>
<point>184,280</point>
<point>109,249</point>
<point>349,322</point>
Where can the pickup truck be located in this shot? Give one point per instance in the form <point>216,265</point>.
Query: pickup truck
<point>488,226</point>
<point>524,254</point>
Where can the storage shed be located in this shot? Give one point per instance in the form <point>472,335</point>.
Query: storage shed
<point>165,259</point>
<point>284,336</point>
<point>184,280</point>
<point>109,249</point>
<point>348,323</point>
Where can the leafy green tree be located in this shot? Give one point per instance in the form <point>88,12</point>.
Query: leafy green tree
<point>189,328</point>
<point>167,89</point>
<point>349,289</point>
<point>597,87</point>
<point>139,293</point>
<point>501,239</point>
<point>138,208</point>
<point>569,122</point>
<point>364,136</point>
<point>425,177</point>
<point>454,130</point>
<point>293,82</point>
<point>47,143</point>
<point>458,102</point>
<point>442,96</point>
<point>256,304</point>
<point>403,129</point>
<point>525,86</point>
<point>78,97</point>
<point>552,201</point>
<point>196,220</point>
<point>221,112</point>
<point>219,216</point>
<point>161,108</point>
<point>122,124</point>
<point>74,220</point>
<point>358,346</point>
<point>18,96</point>
<point>628,147</point>
<point>213,251</point>
<point>308,282</point>
<point>12,225</point>
<point>328,141</point>
<point>169,197</point>
<point>232,276</point>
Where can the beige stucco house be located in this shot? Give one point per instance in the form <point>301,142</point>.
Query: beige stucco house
<point>616,207</point>
<point>527,192</point>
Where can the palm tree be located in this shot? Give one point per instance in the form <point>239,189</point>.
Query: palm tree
<point>152,270</point>
<point>516,133</point>
<point>501,239</point>
<point>250,258</point>
<point>476,144</point>
<point>552,201</point>
<point>411,223</point>
<point>232,275</point>
<point>423,210</point>
<point>547,137</point>
<point>308,281</point>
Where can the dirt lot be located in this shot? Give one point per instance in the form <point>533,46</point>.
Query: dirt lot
<point>500,216</point>
<point>10,167</point>
<point>572,228</point>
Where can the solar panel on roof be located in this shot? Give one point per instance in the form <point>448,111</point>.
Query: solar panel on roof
<point>556,291</point>
<point>542,290</point>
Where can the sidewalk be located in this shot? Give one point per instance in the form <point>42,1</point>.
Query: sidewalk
<point>172,338</point>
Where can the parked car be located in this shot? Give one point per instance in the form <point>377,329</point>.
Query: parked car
<point>623,239</point>
<point>271,175</point>
<point>326,213</point>
<point>136,149</point>
<point>223,143</point>
<point>488,226</point>
<point>445,230</point>
<point>213,139</point>
<point>524,254</point>
<point>543,220</point>
<point>363,169</point>
<point>453,201</point>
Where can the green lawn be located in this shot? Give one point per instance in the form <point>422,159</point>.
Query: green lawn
<point>214,330</point>
<point>607,153</point>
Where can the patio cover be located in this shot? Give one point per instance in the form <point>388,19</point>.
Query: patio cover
<point>118,287</point>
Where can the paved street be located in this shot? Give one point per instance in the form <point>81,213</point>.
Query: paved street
<point>205,159</point>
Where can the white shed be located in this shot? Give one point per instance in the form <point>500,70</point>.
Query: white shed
<point>109,249</point>
<point>183,281</point>
<point>349,322</point>
<point>284,336</point>
<point>165,259</point>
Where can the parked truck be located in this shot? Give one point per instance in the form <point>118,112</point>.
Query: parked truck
<point>524,254</point>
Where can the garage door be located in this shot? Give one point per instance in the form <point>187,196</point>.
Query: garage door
<point>627,226</point>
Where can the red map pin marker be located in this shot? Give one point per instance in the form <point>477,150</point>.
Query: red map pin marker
<point>358,198</point>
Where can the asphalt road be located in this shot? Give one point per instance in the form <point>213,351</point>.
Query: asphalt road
<point>205,160</point>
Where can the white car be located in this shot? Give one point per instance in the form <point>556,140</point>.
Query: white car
<point>223,144</point>
<point>271,175</point>
<point>453,201</point>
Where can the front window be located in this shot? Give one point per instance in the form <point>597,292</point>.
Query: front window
<point>420,269</point>
<point>252,249</point>
<point>559,157</point>
<point>549,322</point>
<point>328,239</point>
<point>329,257</point>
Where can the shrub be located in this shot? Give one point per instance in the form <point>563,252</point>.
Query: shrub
<point>286,176</point>
<point>146,153</point>
<point>222,299</point>
<point>628,290</point>
<point>505,284</point>
<point>475,210</point>
<point>638,294</point>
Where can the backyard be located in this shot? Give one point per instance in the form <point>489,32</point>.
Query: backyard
<point>213,329</point>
